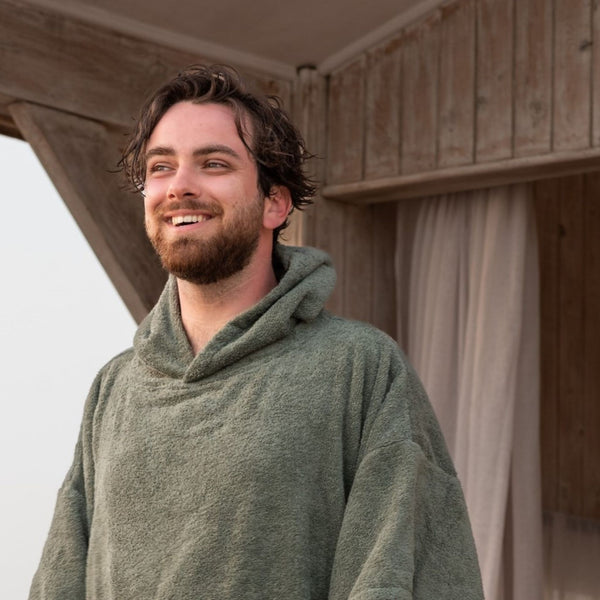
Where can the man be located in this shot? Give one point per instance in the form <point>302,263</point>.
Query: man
<point>250,444</point>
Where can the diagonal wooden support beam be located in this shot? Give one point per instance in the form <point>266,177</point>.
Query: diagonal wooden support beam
<point>79,155</point>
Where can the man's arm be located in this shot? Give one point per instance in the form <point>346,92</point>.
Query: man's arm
<point>406,533</point>
<point>61,573</point>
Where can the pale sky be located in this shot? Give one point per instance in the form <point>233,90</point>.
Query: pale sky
<point>60,321</point>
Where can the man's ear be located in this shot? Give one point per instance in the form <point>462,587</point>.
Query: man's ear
<point>278,205</point>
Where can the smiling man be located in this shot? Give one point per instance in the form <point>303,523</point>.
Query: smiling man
<point>250,445</point>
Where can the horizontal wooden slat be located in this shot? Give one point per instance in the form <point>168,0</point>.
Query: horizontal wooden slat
<point>468,177</point>
<point>57,61</point>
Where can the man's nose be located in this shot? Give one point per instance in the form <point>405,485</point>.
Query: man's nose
<point>183,183</point>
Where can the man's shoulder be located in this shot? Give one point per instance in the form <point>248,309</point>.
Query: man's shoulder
<point>114,366</point>
<point>359,331</point>
<point>349,334</point>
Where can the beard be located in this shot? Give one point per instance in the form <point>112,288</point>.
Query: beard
<point>206,260</point>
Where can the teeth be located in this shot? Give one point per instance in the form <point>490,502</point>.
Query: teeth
<point>188,219</point>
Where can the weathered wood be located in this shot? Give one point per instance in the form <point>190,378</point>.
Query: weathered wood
<point>547,217</point>
<point>591,347</point>
<point>346,123</point>
<point>78,155</point>
<point>484,175</point>
<point>330,224</point>
<point>382,144</point>
<point>572,74</point>
<point>420,65</point>
<point>384,308</point>
<point>309,116</point>
<point>494,80</point>
<point>358,262</point>
<point>457,85</point>
<point>8,127</point>
<point>596,72</point>
<point>571,336</point>
<point>58,61</point>
<point>533,77</point>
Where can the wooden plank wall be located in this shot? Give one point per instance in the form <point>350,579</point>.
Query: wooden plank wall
<point>477,83</point>
<point>568,215</point>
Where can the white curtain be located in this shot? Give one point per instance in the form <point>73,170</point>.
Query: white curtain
<point>468,320</point>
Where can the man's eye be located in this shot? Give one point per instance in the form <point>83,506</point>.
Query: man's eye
<point>157,167</point>
<point>214,164</point>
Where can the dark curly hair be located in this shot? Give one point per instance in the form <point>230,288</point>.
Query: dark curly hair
<point>276,144</point>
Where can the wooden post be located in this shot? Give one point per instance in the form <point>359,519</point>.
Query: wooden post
<point>78,155</point>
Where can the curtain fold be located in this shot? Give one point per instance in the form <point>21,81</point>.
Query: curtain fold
<point>468,311</point>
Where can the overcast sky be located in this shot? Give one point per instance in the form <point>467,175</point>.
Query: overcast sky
<point>60,321</point>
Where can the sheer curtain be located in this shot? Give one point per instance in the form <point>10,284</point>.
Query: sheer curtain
<point>468,320</point>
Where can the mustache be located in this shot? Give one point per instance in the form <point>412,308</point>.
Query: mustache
<point>212,208</point>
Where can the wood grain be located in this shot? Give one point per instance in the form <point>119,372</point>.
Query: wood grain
<point>533,77</point>
<point>384,309</point>
<point>420,64</point>
<point>591,347</point>
<point>547,217</point>
<point>457,85</point>
<point>596,72</point>
<point>346,123</point>
<point>358,262</point>
<point>382,143</point>
<point>572,74</point>
<point>571,337</point>
<point>494,96</point>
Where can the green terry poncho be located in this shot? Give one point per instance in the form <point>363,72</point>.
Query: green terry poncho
<point>296,457</point>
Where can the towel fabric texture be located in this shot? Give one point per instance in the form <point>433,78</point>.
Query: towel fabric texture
<point>296,457</point>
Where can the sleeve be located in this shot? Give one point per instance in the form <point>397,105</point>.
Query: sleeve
<point>405,532</point>
<point>61,573</point>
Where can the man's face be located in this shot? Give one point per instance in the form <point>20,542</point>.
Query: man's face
<point>204,210</point>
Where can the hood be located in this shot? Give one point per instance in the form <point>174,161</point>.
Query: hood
<point>161,342</point>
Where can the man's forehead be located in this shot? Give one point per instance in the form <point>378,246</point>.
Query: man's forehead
<point>200,128</point>
<point>210,113</point>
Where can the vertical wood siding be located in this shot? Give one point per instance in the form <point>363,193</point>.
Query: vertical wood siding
<point>495,56</point>
<point>476,81</point>
<point>568,214</point>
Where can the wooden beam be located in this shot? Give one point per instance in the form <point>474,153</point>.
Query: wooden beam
<point>51,59</point>
<point>8,127</point>
<point>78,155</point>
<point>467,177</point>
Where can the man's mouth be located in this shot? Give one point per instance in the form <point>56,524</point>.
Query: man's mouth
<point>187,219</point>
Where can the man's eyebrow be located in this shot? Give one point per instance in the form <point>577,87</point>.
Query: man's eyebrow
<point>216,149</point>
<point>159,151</point>
<point>203,151</point>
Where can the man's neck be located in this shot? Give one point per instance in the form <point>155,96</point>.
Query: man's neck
<point>206,309</point>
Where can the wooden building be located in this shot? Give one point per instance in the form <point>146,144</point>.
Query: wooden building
<point>401,101</point>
